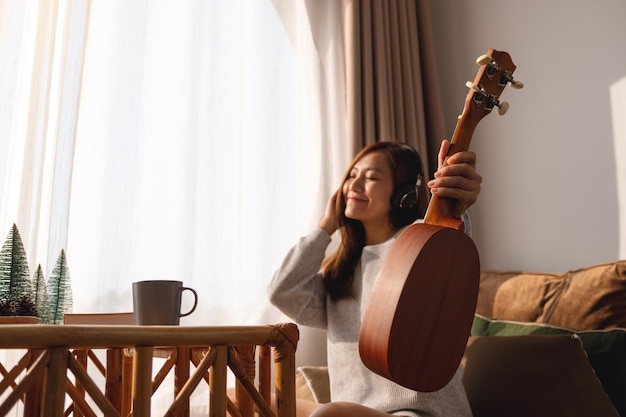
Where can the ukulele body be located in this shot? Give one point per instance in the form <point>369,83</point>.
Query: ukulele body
<point>406,338</point>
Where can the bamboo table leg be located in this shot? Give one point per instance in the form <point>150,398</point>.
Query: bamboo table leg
<point>285,365</point>
<point>286,387</point>
<point>82,356</point>
<point>217,385</point>
<point>32,404</point>
<point>127,374</point>
<point>114,382</point>
<point>265,373</point>
<point>182,370</point>
<point>142,381</point>
<point>54,397</point>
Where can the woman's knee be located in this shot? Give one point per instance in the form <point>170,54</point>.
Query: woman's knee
<point>346,409</point>
<point>332,409</point>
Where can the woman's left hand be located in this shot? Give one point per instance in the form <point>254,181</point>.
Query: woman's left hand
<point>458,179</point>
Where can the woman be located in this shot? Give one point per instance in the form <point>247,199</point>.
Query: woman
<point>374,203</point>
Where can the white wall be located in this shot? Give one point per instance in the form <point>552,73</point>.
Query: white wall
<point>550,199</point>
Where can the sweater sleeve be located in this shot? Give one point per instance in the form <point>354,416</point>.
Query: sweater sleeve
<point>467,220</point>
<point>297,288</point>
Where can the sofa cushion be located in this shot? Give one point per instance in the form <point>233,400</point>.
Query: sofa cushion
<point>585,299</point>
<point>532,375</point>
<point>606,350</point>
<point>312,383</point>
<point>490,283</point>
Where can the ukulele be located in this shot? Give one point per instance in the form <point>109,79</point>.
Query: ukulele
<point>418,320</point>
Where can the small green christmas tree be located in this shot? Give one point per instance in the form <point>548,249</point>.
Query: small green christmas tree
<point>41,296</point>
<point>21,296</point>
<point>59,291</point>
<point>14,274</point>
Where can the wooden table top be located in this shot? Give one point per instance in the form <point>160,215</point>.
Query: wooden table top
<point>41,336</point>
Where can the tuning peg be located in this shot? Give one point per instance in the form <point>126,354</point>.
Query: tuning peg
<point>492,101</point>
<point>503,107</point>
<point>472,86</point>
<point>507,77</point>
<point>484,59</point>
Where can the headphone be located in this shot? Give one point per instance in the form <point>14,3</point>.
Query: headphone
<point>405,197</point>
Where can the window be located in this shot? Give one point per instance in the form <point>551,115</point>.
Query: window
<point>179,151</point>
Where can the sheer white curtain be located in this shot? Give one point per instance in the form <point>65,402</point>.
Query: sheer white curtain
<point>40,58</point>
<point>187,155</point>
<point>189,140</point>
<point>161,139</point>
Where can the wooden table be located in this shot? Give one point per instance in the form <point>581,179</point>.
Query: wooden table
<point>49,357</point>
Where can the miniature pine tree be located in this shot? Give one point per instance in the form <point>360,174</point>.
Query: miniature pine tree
<point>41,296</point>
<point>59,291</point>
<point>14,275</point>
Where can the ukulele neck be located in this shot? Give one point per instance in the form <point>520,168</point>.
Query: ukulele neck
<point>440,210</point>
<point>496,71</point>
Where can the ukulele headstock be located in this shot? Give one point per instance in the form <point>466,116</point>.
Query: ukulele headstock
<point>495,73</point>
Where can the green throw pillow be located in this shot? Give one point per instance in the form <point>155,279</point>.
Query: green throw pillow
<point>606,350</point>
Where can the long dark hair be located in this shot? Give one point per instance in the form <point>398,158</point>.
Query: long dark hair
<point>338,268</point>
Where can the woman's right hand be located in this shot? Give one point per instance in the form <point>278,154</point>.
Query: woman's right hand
<point>330,220</point>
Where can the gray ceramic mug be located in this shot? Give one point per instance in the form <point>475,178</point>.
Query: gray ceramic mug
<point>158,302</point>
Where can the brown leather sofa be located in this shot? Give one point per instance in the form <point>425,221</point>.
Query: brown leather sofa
<point>542,345</point>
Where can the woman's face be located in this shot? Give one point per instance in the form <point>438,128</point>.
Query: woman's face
<point>368,190</point>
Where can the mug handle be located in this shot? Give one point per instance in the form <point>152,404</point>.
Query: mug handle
<point>195,301</point>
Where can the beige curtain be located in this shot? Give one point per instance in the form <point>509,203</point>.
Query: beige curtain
<point>392,89</point>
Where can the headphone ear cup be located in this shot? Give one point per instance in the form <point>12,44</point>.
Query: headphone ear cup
<point>405,197</point>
